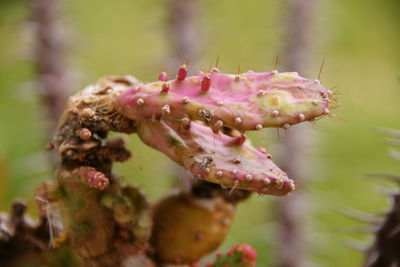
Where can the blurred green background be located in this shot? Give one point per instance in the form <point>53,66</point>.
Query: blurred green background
<point>359,39</point>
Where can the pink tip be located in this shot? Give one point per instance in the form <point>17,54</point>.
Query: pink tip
<point>163,76</point>
<point>205,83</point>
<point>182,73</point>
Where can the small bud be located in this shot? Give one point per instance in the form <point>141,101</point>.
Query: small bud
<point>219,173</point>
<point>185,123</point>
<point>140,101</point>
<point>185,100</point>
<point>275,113</point>
<point>166,109</point>
<point>326,111</point>
<point>259,127</point>
<point>238,120</point>
<point>286,126</point>
<point>274,72</point>
<point>301,116</point>
<point>163,76</point>
<point>84,133</point>
<point>220,102</point>
<point>269,156</point>
<point>182,73</point>
<point>279,183</point>
<point>317,81</point>
<point>292,186</point>
<point>302,86</point>
<point>249,177</point>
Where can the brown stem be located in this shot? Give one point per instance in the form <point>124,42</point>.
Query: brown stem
<point>292,211</point>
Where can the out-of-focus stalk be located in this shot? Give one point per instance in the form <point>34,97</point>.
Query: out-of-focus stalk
<point>184,33</point>
<point>292,211</point>
<point>184,37</point>
<point>49,58</point>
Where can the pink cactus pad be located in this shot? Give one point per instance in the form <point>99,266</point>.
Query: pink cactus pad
<point>249,101</point>
<point>216,158</point>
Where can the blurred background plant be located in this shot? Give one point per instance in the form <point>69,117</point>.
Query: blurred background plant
<point>358,39</point>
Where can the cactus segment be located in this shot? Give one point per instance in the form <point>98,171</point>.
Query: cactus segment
<point>249,101</point>
<point>187,228</point>
<point>217,158</point>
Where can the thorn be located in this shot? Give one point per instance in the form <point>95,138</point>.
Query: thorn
<point>185,100</point>
<point>217,62</point>
<point>286,126</point>
<point>237,77</point>
<point>215,70</point>
<point>259,127</point>
<point>165,88</point>
<point>238,120</point>
<point>166,109</point>
<point>219,174</point>
<point>302,86</point>
<point>140,101</point>
<point>274,72</point>
<point>249,177</point>
<point>276,63</point>
<point>205,83</point>
<point>235,185</point>
<point>320,69</point>
<point>163,76</point>
<point>317,81</point>
<point>182,73</point>
<point>84,134</point>
<point>275,113</point>
<point>326,111</point>
<point>301,116</point>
